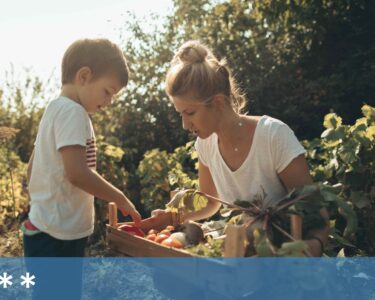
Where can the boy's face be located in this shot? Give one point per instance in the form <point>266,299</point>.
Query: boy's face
<point>95,94</point>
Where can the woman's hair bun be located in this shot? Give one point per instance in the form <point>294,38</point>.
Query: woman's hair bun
<point>192,52</point>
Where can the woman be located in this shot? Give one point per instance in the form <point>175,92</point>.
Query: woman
<point>240,156</point>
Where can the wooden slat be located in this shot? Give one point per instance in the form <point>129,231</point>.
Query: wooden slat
<point>235,241</point>
<point>112,214</point>
<point>296,226</point>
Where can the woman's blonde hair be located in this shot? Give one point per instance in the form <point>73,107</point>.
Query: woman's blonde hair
<point>196,72</point>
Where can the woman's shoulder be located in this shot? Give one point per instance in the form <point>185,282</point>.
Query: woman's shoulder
<point>267,122</point>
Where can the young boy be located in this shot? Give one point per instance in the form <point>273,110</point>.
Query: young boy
<point>61,172</point>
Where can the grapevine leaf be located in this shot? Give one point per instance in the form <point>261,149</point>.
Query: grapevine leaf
<point>294,249</point>
<point>351,218</point>
<point>359,199</point>
<point>332,121</point>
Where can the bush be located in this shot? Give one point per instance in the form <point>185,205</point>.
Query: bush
<point>345,155</point>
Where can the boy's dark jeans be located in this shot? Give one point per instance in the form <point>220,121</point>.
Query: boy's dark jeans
<point>44,245</point>
<point>51,273</point>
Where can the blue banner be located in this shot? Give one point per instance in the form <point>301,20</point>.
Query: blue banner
<point>187,278</point>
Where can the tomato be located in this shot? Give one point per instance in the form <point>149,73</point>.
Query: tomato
<point>161,237</point>
<point>169,242</point>
<point>151,236</point>
<point>152,231</point>
<point>166,231</point>
<point>132,230</point>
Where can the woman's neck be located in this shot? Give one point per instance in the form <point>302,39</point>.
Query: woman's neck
<point>231,129</point>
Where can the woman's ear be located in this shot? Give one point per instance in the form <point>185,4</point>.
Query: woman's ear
<point>220,101</point>
<point>83,75</point>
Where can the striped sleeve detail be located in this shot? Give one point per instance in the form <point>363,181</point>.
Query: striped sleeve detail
<point>91,153</point>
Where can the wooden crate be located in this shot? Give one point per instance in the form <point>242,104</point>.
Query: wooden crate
<point>136,246</point>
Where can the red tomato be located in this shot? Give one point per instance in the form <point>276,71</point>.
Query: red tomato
<point>132,230</point>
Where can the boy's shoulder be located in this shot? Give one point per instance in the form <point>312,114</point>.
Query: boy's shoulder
<point>63,105</point>
<point>65,102</point>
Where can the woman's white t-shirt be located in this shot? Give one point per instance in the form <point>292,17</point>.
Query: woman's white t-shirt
<point>57,207</point>
<point>273,148</point>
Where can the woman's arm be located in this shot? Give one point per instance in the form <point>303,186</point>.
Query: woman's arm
<point>207,186</point>
<point>296,174</point>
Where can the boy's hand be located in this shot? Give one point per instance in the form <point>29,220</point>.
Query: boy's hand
<point>127,208</point>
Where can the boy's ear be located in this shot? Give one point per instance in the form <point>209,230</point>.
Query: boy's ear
<point>84,75</point>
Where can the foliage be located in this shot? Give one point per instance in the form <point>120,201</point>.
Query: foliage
<point>345,155</point>
<point>13,197</point>
<point>211,248</point>
<point>161,172</point>
<point>295,60</point>
<point>21,106</point>
<point>186,201</point>
<point>267,226</point>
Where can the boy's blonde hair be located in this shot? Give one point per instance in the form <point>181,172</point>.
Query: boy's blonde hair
<point>100,55</point>
<point>197,73</point>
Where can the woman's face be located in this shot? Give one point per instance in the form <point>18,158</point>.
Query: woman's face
<point>199,118</point>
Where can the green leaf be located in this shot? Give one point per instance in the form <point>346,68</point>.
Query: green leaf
<point>342,240</point>
<point>359,199</point>
<point>332,121</point>
<point>115,152</point>
<point>292,249</point>
<point>370,133</point>
<point>334,134</point>
<point>263,246</point>
<point>328,196</point>
<point>350,216</point>
<point>368,112</point>
<point>187,201</point>
<point>242,203</point>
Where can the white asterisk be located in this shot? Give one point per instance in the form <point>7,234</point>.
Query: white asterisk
<point>5,280</point>
<point>27,280</point>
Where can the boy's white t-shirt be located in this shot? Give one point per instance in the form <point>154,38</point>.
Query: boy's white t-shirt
<point>57,207</point>
<point>273,148</point>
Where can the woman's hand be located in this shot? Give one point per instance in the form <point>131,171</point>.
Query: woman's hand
<point>157,212</point>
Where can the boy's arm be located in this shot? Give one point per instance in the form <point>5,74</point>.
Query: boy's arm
<point>30,167</point>
<point>81,176</point>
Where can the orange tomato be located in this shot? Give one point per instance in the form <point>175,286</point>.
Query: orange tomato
<point>152,231</point>
<point>151,236</point>
<point>169,242</point>
<point>161,237</point>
